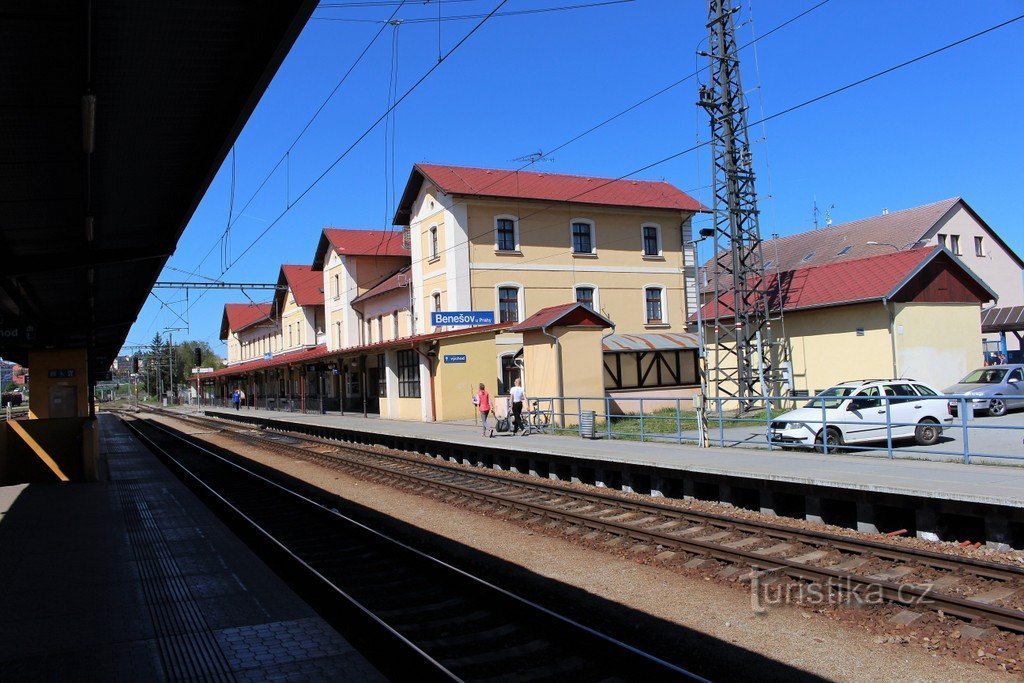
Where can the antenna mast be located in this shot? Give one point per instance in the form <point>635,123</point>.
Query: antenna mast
<point>747,361</point>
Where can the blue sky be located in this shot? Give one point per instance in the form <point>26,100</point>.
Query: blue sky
<point>943,127</point>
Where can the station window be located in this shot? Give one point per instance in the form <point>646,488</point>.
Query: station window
<point>337,287</point>
<point>505,234</point>
<point>651,240</point>
<point>954,244</point>
<point>436,296</point>
<point>408,374</point>
<point>979,246</point>
<point>582,238</point>
<point>508,304</point>
<point>434,248</point>
<point>382,375</point>
<point>654,305</point>
<point>585,296</point>
<point>941,239</point>
<point>394,324</point>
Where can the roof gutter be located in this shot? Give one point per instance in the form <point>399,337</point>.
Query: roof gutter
<point>892,334</point>
<point>558,367</point>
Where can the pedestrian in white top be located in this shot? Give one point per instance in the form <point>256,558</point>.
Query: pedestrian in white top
<point>518,396</point>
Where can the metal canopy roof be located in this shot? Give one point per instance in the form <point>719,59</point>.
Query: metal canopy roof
<point>84,236</point>
<point>1002,319</point>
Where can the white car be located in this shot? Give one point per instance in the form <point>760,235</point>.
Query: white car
<point>855,412</point>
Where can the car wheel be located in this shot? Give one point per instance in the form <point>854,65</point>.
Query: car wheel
<point>927,433</point>
<point>997,407</point>
<point>833,439</point>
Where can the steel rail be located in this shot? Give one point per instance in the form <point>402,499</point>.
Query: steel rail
<point>651,659</point>
<point>906,594</point>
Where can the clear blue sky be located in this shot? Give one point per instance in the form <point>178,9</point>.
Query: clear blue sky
<point>943,127</point>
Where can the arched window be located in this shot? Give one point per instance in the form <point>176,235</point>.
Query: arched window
<point>510,302</point>
<point>586,294</point>
<point>435,250</point>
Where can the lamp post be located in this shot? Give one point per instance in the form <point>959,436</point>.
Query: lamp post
<point>701,350</point>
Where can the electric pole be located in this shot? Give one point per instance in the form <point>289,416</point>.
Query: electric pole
<point>747,360</point>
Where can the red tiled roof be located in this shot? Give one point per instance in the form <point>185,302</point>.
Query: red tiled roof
<point>837,284</point>
<point>399,280</point>
<point>320,352</point>
<point>240,316</point>
<point>306,284</point>
<point>366,242</point>
<point>573,313</point>
<point>559,187</point>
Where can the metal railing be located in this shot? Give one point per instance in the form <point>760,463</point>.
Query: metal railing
<point>922,427</point>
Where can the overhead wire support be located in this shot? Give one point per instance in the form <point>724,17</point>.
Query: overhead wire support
<point>217,285</point>
<point>745,362</point>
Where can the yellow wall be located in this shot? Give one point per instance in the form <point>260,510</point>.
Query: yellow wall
<point>582,369</point>
<point>410,408</point>
<point>826,349</point>
<point>41,363</point>
<point>384,306</point>
<point>456,383</point>
<point>937,343</point>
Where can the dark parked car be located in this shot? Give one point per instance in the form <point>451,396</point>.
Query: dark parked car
<point>10,398</point>
<point>995,389</point>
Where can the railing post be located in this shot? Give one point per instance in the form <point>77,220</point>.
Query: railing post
<point>721,425</point>
<point>642,438</point>
<point>963,421</point>
<point>679,423</point>
<point>768,422</point>
<point>888,425</point>
<point>608,417</point>
<point>824,428</point>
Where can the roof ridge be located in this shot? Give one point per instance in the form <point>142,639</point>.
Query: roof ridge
<point>541,173</point>
<point>844,262</point>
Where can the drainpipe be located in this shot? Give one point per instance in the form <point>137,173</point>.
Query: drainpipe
<point>430,365</point>
<point>558,374</point>
<point>892,334</point>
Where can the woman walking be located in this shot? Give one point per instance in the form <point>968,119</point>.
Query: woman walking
<point>483,404</point>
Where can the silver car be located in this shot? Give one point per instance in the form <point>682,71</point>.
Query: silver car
<point>994,389</point>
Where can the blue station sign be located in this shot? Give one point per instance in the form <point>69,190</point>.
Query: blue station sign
<point>455,358</point>
<point>460,318</point>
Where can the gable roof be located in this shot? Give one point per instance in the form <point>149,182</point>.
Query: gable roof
<point>305,284</point>
<point>557,187</point>
<point>573,313</point>
<point>237,317</point>
<point>856,281</point>
<point>848,241</point>
<point>397,280</point>
<point>347,242</point>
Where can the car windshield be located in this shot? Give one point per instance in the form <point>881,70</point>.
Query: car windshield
<point>985,376</point>
<point>839,395</point>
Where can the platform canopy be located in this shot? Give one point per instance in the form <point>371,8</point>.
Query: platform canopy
<point>1002,319</point>
<point>115,117</point>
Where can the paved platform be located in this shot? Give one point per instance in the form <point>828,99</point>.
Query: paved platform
<point>135,579</point>
<point>985,484</point>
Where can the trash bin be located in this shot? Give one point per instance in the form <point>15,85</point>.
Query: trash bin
<point>588,419</point>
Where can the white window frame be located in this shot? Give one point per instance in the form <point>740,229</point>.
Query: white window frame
<point>436,300</point>
<point>979,246</point>
<point>954,245</point>
<point>597,293</point>
<point>337,329</point>
<point>520,300</point>
<point>433,243</point>
<point>337,287</point>
<point>507,354</point>
<point>664,304</point>
<point>394,324</point>
<point>515,233</point>
<point>661,248</point>
<point>593,237</point>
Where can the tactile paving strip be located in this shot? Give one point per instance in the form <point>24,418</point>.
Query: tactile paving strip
<point>187,645</point>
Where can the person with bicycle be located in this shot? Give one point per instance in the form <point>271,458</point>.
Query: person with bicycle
<point>518,397</point>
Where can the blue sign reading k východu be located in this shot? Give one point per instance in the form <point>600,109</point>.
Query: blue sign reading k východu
<point>443,318</point>
<point>455,358</point>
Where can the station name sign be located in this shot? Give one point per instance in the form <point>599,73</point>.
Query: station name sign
<point>457,318</point>
<point>60,373</point>
<point>455,358</point>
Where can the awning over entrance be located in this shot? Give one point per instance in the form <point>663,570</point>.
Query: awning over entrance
<point>1002,319</point>
<point>659,341</point>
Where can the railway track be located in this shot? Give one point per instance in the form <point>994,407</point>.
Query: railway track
<point>847,569</point>
<point>456,626</point>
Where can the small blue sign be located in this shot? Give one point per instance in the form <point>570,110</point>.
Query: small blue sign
<point>267,356</point>
<point>470,318</point>
<point>455,358</point>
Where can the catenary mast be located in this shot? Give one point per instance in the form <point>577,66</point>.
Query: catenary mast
<point>747,360</point>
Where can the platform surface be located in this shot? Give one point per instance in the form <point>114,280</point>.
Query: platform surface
<point>977,483</point>
<point>136,580</point>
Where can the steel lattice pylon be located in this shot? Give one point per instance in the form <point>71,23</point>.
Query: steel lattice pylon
<point>747,362</point>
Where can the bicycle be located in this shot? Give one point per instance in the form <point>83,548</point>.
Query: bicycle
<point>536,421</point>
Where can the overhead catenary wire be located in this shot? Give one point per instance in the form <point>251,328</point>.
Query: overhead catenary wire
<point>467,17</point>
